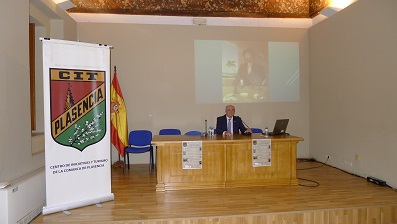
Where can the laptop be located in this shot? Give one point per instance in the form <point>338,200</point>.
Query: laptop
<point>280,127</point>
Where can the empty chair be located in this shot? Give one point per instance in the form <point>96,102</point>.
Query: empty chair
<point>193,133</point>
<point>256,130</point>
<point>170,131</point>
<point>139,141</point>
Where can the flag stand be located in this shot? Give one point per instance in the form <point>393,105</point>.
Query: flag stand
<point>118,163</point>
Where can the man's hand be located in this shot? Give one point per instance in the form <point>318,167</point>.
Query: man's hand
<point>227,133</point>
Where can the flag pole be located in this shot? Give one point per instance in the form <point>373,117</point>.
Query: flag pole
<point>118,163</point>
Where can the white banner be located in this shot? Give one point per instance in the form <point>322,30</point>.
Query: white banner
<point>192,155</point>
<point>77,124</point>
<point>261,152</point>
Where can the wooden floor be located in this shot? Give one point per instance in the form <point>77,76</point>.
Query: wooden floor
<point>339,198</point>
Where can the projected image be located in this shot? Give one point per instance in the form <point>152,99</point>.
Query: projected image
<point>246,72</point>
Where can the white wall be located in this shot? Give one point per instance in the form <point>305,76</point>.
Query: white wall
<point>155,67</point>
<point>353,63</point>
<point>16,157</point>
<point>15,136</point>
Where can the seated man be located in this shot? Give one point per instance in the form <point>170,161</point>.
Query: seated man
<point>229,124</point>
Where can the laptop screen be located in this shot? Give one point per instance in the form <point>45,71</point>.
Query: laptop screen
<point>280,127</point>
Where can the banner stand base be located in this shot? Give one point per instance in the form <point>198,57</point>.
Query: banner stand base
<point>65,207</point>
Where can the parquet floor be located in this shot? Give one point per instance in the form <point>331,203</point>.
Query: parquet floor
<point>339,198</point>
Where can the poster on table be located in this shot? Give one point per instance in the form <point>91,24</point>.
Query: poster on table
<point>261,152</point>
<point>192,155</point>
<point>76,123</point>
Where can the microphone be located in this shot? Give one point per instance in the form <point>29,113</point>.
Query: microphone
<point>243,122</point>
<point>245,133</point>
<point>206,128</point>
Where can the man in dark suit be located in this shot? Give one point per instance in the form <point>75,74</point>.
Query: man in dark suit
<point>251,72</point>
<point>229,124</point>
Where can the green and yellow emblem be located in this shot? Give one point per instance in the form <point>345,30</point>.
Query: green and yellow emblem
<point>78,107</point>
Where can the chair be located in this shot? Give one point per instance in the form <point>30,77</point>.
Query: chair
<point>256,130</point>
<point>170,131</point>
<point>193,133</point>
<point>139,141</point>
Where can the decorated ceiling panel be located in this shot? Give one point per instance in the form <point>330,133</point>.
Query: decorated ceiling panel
<point>204,8</point>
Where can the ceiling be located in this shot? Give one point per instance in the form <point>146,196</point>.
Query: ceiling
<point>204,8</point>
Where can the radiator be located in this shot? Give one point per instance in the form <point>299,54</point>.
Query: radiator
<point>23,199</point>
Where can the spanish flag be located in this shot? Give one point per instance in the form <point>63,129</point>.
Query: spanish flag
<point>118,116</point>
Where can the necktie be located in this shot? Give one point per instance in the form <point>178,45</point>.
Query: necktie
<point>229,125</point>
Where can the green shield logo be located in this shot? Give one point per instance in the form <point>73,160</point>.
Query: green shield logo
<point>78,107</point>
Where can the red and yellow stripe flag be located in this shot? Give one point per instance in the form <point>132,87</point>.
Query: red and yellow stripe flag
<point>118,116</point>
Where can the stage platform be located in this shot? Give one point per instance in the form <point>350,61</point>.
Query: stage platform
<point>334,197</point>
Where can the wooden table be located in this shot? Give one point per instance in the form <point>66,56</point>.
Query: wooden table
<point>227,162</point>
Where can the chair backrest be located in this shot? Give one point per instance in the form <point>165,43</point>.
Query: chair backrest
<point>170,131</point>
<point>193,133</point>
<point>140,138</point>
<point>256,130</point>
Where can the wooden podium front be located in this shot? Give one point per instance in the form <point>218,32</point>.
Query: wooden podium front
<point>226,162</point>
